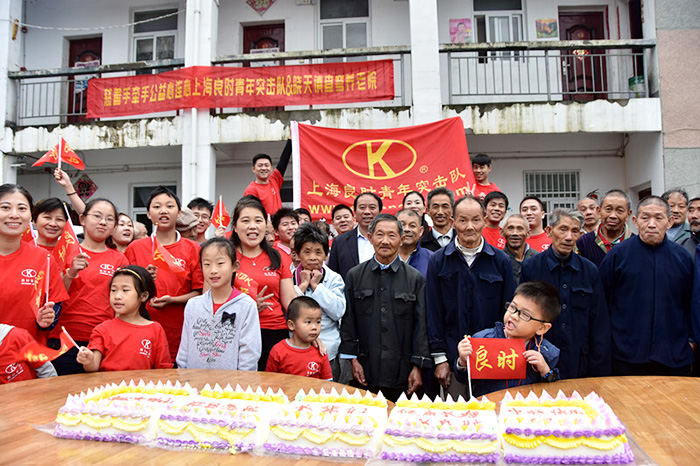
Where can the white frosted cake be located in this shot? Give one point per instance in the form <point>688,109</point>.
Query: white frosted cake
<point>436,431</point>
<point>562,430</point>
<point>169,414</point>
<point>332,424</point>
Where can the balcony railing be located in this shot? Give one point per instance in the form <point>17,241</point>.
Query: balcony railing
<point>547,71</point>
<point>471,73</point>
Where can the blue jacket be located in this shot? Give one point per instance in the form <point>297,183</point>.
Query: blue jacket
<point>582,331</point>
<point>462,300</point>
<point>420,258</point>
<point>649,289</point>
<point>484,386</point>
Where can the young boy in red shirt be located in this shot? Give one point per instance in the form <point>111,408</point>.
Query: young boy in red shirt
<point>296,355</point>
<point>12,369</point>
<point>481,167</point>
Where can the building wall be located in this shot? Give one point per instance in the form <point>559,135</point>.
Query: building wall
<point>678,36</point>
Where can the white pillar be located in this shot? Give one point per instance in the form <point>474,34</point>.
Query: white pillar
<point>9,60</point>
<point>425,61</point>
<point>198,156</point>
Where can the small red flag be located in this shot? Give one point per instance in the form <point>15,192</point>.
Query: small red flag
<point>67,247</point>
<point>34,352</point>
<point>164,260</point>
<point>220,218</point>
<point>497,358</point>
<point>68,156</point>
<point>28,236</point>
<point>39,280</point>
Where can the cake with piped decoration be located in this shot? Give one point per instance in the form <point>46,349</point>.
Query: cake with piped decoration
<point>562,430</point>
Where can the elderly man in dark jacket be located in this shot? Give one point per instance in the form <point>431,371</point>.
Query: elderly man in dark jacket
<point>383,331</point>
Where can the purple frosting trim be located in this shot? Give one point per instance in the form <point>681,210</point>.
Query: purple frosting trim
<point>220,422</point>
<point>613,432</point>
<point>332,428</point>
<point>82,435</point>
<point>435,457</point>
<point>625,457</point>
<point>223,445</point>
<point>440,436</point>
<point>315,451</point>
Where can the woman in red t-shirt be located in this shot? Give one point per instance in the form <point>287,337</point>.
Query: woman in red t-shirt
<point>87,280</point>
<point>264,274</point>
<point>49,217</point>
<point>23,269</point>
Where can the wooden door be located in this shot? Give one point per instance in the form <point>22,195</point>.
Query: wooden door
<point>263,39</point>
<point>82,52</point>
<point>583,70</point>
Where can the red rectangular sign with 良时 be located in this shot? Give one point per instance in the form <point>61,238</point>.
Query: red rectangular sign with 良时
<point>497,358</point>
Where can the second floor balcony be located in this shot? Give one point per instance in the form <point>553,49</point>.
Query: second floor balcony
<point>505,74</point>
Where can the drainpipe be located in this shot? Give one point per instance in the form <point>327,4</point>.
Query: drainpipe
<point>195,122</point>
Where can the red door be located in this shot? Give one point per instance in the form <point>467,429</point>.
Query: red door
<point>263,39</point>
<point>82,52</point>
<point>583,71</point>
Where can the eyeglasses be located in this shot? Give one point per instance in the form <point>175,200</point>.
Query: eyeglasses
<point>199,216</point>
<point>98,218</point>
<point>523,315</point>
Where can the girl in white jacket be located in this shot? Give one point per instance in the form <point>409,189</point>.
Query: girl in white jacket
<point>221,328</point>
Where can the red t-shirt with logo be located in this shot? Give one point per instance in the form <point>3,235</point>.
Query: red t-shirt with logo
<point>540,242</point>
<point>484,189</point>
<point>18,274</point>
<point>12,370</point>
<point>88,305</point>
<point>253,275</point>
<point>125,346</point>
<point>171,317</point>
<point>493,237</point>
<point>306,362</point>
<point>269,194</point>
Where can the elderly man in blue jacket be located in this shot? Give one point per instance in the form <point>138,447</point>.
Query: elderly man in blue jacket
<point>467,287</point>
<point>582,331</point>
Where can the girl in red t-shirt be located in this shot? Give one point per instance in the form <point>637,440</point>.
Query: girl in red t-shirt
<point>130,341</point>
<point>49,217</point>
<point>23,269</point>
<point>87,280</point>
<point>264,274</point>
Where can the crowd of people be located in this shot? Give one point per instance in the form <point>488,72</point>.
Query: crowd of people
<point>380,301</point>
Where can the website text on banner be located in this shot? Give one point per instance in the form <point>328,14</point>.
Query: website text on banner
<point>228,87</point>
<point>333,166</point>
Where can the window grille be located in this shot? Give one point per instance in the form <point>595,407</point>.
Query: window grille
<point>556,189</point>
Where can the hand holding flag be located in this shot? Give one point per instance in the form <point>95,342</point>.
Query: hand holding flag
<point>61,152</point>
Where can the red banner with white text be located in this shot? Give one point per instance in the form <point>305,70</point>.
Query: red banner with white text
<point>333,166</point>
<point>229,87</point>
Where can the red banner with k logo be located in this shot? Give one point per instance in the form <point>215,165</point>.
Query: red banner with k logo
<point>333,166</point>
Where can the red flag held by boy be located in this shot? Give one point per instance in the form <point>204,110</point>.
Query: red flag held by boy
<point>68,156</point>
<point>164,260</point>
<point>220,217</point>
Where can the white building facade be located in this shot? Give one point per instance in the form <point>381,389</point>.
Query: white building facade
<point>559,118</point>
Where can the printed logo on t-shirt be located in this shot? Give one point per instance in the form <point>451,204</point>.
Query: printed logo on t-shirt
<point>313,368</point>
<point>501,243</point>
<point>13,371</point>
<point>545,247</point>
<point>107,269</point>
<point>145,348</point>
<point>180,262</point>
<point>28,277</point>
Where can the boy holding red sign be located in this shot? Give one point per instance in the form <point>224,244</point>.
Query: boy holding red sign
<point>528,317</point>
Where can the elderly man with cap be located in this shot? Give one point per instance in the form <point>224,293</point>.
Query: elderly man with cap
<point>187,224</point>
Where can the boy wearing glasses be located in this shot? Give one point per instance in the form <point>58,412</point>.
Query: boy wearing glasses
<point>528,317</point>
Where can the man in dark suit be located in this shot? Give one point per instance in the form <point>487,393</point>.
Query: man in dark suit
<point>440,208</point>
<point>353,247</point>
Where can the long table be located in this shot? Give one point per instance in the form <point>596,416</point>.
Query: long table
<point>36,402</point>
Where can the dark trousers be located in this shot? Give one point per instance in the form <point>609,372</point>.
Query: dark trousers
<point>269,339</point>
<point>66,364</point>
<point>647,368</point>
<point>391,394</point>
